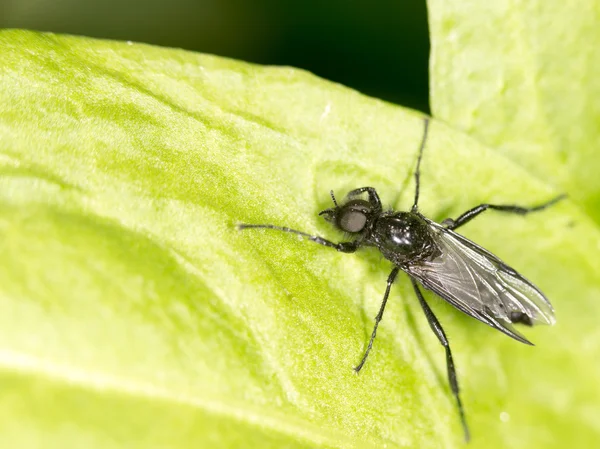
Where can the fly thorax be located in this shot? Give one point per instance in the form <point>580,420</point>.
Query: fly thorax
<point>403,237</point>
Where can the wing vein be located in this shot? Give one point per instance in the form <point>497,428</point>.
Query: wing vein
<point>480,284</point>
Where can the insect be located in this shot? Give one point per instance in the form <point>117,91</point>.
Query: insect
<point>435,257</point>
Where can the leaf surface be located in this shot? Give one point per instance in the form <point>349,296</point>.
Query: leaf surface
<point>136,315</point>
<point>523,78</point>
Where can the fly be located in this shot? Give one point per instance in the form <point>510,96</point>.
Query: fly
<point>435,257</point>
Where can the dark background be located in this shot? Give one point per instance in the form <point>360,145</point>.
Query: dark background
<point>379,47</point>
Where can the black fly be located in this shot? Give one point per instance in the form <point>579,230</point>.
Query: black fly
<point>467,276</point>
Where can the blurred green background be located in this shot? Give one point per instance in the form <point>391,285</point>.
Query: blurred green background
<point>379,47</point>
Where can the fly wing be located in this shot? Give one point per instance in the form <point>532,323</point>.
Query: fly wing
<point>479,284</point>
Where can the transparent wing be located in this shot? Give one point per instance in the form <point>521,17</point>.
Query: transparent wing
<point>479,284</point>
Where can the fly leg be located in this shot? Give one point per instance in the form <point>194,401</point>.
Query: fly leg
<point>513,209</point>
<point>390,281</point>
<point>415,206</point>
<point>344,247</point>
<point>373,196</point>
<point>436,327</point>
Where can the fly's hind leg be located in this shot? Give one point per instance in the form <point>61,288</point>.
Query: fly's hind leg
<point>436,327</point>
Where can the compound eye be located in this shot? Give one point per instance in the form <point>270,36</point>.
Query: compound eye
<point>352,220</point>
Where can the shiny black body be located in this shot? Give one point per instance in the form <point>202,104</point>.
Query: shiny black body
<point>434,256</point>
<point>403,238</point>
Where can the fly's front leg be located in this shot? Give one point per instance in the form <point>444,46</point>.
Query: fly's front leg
<point>373,196</point>
<point>344,247</point>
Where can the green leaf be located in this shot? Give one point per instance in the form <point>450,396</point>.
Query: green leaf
<point>134,314</point>
<point>523,77</point>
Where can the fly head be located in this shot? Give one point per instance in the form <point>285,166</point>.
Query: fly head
<point>355,215</point>
<point>351,217</point>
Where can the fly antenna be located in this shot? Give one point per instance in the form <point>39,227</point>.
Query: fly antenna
<point>418,169</point>
<point>333,198</point>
